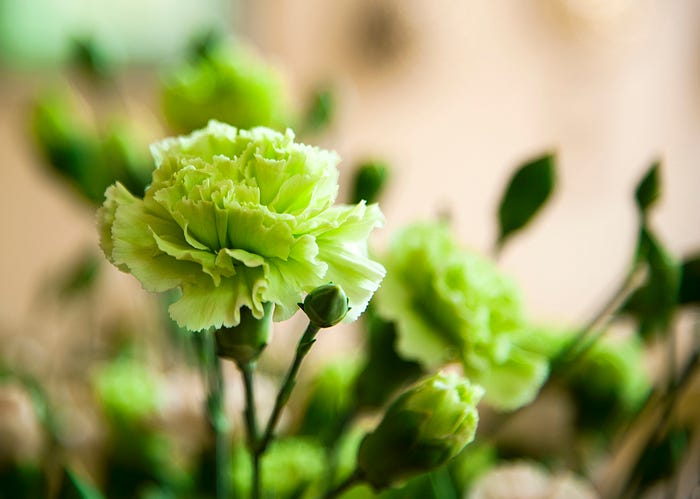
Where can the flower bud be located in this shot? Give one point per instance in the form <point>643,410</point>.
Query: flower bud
<point>246,341</point>
<point>422,429</point>
<point>326,305</point>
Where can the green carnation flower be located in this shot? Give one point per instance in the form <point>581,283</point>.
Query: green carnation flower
<point>452,305</point>
<point>229,85</point>
<point>239,218</point>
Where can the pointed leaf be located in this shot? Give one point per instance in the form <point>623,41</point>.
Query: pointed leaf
<point>653,304</point>
<point>370,179</point>
<point>526,194</point>
<point>648,190</point>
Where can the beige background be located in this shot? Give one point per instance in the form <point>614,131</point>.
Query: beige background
<point>463,92</point>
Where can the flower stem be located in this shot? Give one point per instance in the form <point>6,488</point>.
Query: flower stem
<point>247,369</point>
<point>593,330</point>
<point>217,416</point>
<point>354,478</point>
<point>305,343</point>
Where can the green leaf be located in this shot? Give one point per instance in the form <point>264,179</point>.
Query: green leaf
<point>654,302</point>
<point>648,190</point>
<point>689,292</point>
<point>527,192</point>
<point>73,487</point>
<point>370,179</point>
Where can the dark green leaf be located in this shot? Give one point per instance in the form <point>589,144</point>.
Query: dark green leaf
<point>204,44</point>
<point>526,194</point>
<point>73,487</point>
<point>90,57</point>
<point>654,302</point>
<point>689,292</point>
<point>370,179</point>
<point>649,189</point>
<point>385,372</point>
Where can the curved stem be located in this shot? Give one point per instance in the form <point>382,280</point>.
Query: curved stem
<point>305,343</point>
<point>352,480</point>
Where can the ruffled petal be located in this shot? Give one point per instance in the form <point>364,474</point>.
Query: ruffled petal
<point>204,305</point>
<point>343,246</point>
<point>514,383</point>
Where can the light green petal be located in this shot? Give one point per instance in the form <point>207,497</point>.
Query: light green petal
<point>514,383</point>
<point>204,305</point>
<point>289,279</point>
<point>115,195</point>
<point>343,247</point>
<point>135,248</point>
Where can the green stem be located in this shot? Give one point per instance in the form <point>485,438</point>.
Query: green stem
<point>352,480</point>
<point>305,343</point>
<point>247,369</point>
<point>666,400</point>
<point>594,329</point>
<point>217,416</point>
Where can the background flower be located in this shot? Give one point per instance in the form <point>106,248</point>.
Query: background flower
<point>422,429</point>
<point>227,84</point>
<point>237,218</point>
<point>450,304</point>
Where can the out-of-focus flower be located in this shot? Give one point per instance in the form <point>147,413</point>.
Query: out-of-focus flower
<point>226,84</point>
<point>127,390</point>
<point>422,429</point>
<point>609,381</point>
<point>291,468</point>
<point>452,305</point>
<point>529,481</point>
<point>239,218</point>
<point>88,159</point>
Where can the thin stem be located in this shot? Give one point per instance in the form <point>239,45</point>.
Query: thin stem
<point>247,369</point>
<point>352,480</point>
<point>305,343</point>
<point>666,401</point>
<point>594,329</point>
<point>217,416</point>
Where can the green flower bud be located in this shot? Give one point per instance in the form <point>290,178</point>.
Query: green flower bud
<point>245,342</point>
<point>326,305</point>
<point>370,179</point>
<point>424,428</point>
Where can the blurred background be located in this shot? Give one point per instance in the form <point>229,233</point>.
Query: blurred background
<point>452,95</point>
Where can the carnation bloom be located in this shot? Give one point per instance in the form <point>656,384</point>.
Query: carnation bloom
<point>239,218</point>
<point>450,305</point>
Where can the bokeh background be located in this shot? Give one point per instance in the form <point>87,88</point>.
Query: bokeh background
<point>452,95</point>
